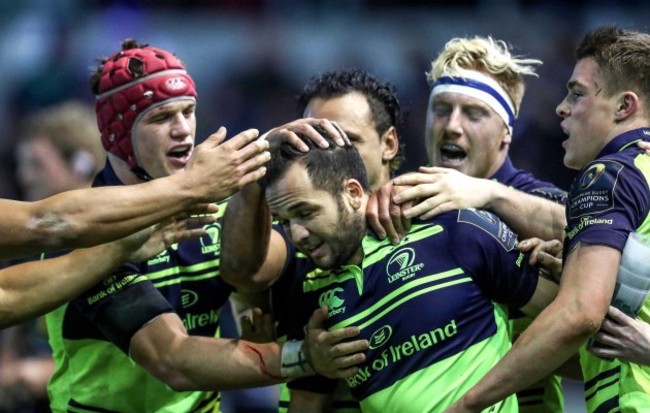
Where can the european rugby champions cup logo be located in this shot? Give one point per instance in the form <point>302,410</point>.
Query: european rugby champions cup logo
<point>591,175</point>
<point>401,265</point>
<point>210,243</point>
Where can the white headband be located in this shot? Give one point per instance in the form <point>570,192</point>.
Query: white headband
<point>480,86</point>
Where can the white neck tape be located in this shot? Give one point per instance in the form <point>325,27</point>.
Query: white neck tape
<point>479,86</point>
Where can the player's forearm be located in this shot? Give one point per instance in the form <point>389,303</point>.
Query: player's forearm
<point>86,217</point>
<point>544,346</point>
<point>219,364</point>
<point>245,237</point>
<point>31,289</point>
<point>528,215</point>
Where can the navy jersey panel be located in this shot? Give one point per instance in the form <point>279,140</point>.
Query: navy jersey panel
<point>609,198</point>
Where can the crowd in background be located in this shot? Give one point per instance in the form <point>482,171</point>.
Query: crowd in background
<point>250,58</point>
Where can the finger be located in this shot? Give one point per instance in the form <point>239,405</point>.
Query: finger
<point>428,208</point>
<point>243,139</point>
<point>330,129</point>
<point>291,136</point>
<point>254,163</point>
<point>618,316</point>
<point>216,138</point>
<point>342,134</point>
<point>372,216</point>
<point>336,336</point>
<point>348,361</point>
<point>413,179</point>
<point>252,176</point>
<point>602,352</point>
<point>348,348</point>
<point>411,194</point>
<point>529,244</point>
<point>406,222</point>
<point>550,264</point>
<point>252,150</point>
<point>198,221</point>
<point>317,318</point>
<point>386,221</point>
<point>209,208</point>
<point>184,235</point>
<point>246,326</point>
<point>395,213</point>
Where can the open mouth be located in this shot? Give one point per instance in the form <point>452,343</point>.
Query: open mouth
<point>451,154</point>
<point>180,153</point>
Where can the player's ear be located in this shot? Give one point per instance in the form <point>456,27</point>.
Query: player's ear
<point>353,193</point>
<point>626,105</point>
<point>389,144</point>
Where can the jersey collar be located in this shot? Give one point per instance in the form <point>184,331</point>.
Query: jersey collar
<point>625,140</point>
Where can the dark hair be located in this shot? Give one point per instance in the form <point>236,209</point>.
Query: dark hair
<point>381,97</point>
<point>623,57</point>
<point>328,168</point>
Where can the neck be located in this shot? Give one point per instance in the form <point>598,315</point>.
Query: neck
<point>123,170</point>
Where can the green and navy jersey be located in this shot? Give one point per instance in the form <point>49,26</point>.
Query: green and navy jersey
<point>610,198</point>
<point>433,309</point>
<point>547,395</point>
<point>90,336</point>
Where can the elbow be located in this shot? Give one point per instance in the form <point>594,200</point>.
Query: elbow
<point>583,320</point>
<point>245,280</point>
<point>167,371</point>
<point>53,232</point>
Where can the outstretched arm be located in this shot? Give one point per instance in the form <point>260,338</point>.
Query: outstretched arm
<point>87,217</point>
<point>33,288</point>
<point>186,362</point>
<point>436,190</point>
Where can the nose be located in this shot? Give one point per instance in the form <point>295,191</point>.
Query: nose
<point>298,232</point>
<point>182,126</point>
<point>562,110</point>
<point>453,122</point>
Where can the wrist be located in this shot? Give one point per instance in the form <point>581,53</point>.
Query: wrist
<point>496,194</point>
<point>293,362</point>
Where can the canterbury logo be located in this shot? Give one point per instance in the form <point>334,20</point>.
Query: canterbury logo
<point>330,299</point>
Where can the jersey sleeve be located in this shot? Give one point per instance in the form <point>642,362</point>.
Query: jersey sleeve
<point>120,305</point>
<point>606,202</point>
<point>486,248</point>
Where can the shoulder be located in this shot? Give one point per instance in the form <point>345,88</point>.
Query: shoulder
<point>476,226</point>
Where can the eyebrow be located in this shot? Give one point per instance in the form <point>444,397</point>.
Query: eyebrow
<point>572,83</point>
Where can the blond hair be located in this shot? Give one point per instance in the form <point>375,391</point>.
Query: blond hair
<point>486,55</point>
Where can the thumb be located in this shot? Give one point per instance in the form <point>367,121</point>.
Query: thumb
<point>317,318</point>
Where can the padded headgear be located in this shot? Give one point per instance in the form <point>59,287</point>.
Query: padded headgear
<point>131,82</point>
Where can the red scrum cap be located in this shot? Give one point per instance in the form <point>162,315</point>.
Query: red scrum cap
<point>131,82</point>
